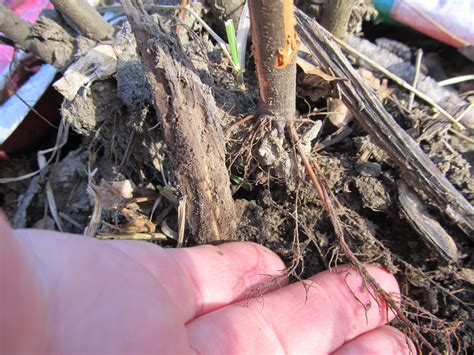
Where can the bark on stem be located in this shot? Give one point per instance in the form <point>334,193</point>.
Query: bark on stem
<point>275,44</point>
<point>336,15</point>
<point>14,27</point>
<point>46,38</point>
<point>335,18</point>
<point>225,9</point>
<point>191,128</point>
<point>86,18</point>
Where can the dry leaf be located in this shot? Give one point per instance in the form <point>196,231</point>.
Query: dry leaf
<point>112,195</point>
<point>467,275</point>
<point>311,69</point>
<point>312,81</point>
<point>380,86</point>
<point>338,113</point>
<point>136,222</point>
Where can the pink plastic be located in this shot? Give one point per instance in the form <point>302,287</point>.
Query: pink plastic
<point>449,21</point>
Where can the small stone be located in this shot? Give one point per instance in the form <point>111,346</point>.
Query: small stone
<point>369,169</point>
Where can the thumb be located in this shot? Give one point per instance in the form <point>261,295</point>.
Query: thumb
<point>22,311</point>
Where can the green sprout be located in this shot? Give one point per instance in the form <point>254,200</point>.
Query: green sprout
<point>231,38</point>
<point>241,182</point>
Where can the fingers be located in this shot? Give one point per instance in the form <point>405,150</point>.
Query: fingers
<point>334,307</point>
<point>198,280</point>
<point>384,340</point>
<point>22,313</point>
<point>204,278</point>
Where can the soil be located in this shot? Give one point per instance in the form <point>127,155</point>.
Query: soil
<point>116,137</point>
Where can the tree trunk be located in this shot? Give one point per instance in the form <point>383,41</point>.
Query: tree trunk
<point>191,127</point>
<point>275,44</point>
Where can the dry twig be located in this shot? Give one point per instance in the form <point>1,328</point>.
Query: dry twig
<point>85,18</point>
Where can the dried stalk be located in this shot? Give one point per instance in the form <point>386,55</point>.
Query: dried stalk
<point>14,27</point>
<point>191,128</point>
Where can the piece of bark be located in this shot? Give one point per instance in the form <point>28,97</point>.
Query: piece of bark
<point>52,43</point>
<point>418,170</point>
<point>444,97</point>
<point>85,18</point>
<point>336,15</point>
<point>191,128</point>
<point>431,232</point>
<point>275,45</point>
<point>98,63</point>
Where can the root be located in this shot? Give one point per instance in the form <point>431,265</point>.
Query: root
<point>433,325</point>
<point>327,199</point>
<point>252,136</point>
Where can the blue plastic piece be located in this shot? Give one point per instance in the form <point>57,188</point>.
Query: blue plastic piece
<point>383,6</point>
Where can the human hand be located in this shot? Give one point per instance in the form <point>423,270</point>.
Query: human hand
<point>63,293</point>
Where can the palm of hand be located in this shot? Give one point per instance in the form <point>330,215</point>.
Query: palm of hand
<point>89,297</point>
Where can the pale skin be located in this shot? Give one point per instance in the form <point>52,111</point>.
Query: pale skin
<point>70,294</point>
